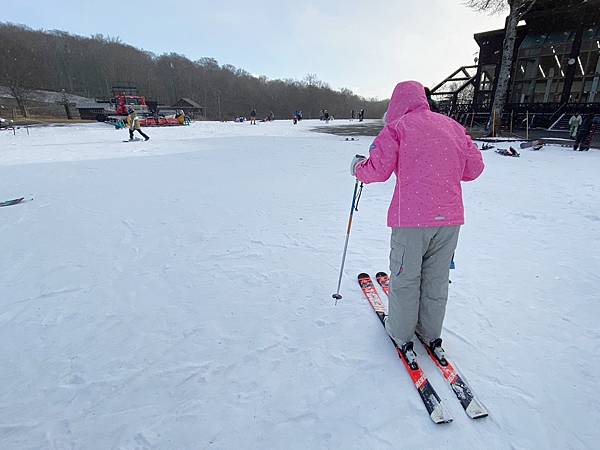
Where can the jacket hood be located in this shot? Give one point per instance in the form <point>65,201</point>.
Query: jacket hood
<point>408,96</point>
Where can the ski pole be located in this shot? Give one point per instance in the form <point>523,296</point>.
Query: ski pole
<point>355,200</point>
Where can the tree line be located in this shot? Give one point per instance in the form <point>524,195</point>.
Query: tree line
<point>90,66</point>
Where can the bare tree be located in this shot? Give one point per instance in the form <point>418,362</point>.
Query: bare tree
<point>517,9</point>
<point>465,96</point>
<point>17,75</point>
<point>57,60</point>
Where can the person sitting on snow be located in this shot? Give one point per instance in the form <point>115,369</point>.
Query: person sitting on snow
<point>510,152</point>
<point>133,122</point>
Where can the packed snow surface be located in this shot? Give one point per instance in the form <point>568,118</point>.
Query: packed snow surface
<point>176,294</point>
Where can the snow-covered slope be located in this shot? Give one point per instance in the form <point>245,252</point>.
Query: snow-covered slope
<point>176,294</point>
<point>49,96</point>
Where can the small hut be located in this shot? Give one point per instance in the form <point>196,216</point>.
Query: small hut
<point>190,107</point>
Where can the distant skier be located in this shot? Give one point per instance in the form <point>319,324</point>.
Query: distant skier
<point>574,123</point>
<point>352,115</point>
<point>430,154</point>
<point>326,115</point>
<point>361,115</point>
<point>253,117</point>
<point>133,123</point>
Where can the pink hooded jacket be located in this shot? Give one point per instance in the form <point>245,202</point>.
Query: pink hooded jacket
<point>430,155</point>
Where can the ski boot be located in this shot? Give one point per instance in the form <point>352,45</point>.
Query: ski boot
<point>410,355</point>
<point>438,352</point>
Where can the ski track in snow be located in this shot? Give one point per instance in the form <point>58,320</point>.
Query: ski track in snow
<point>176,294</point>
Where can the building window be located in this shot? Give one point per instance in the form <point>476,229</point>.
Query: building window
<point>539,73</point>
<point>488,73</point>
<point>486,85</point>
<point>586,83</point>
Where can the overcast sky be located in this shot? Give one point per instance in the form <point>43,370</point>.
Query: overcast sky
<point>366,46</point>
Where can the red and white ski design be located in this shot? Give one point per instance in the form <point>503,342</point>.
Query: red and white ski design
<point>430,398</point>
<point>473,408</point>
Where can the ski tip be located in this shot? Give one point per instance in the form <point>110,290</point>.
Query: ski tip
<point>381,274</point>
<point>363,275</point>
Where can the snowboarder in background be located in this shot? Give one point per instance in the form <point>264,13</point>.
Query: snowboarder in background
<point>574,123</point>
<point>426,223</point>
<point>253,117</point>
<point>133,123</point>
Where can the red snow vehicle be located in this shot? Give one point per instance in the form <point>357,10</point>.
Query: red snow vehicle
<point>125,97</point>
<point>122,102</point>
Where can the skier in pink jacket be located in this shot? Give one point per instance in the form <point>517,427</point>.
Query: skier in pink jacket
<point>430,154</point>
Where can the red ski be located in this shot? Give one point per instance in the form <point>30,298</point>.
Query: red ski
<point>470,404</point>
<point>431,400</point>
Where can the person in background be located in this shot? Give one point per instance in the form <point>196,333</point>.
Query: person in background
<point>133,122</point>
<point>431,155</point>
<point>352,115</point>
<point>590,127</point>
<point>574,123</point>
<point>253,117</point>
<point>180,116</point>
<point>583,132</point>
<point>361,115</point>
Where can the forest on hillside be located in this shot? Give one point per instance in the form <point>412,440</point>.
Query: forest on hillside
<point>90,66</point>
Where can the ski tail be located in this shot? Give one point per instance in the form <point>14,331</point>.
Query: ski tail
<point>429,396</point>
<point>368,288</point>
<point>384,281</point>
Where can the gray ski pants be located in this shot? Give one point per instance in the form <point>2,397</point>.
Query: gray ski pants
<point>420,267</point>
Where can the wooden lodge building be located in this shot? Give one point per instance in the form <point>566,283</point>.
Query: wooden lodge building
<point>556,68</point>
